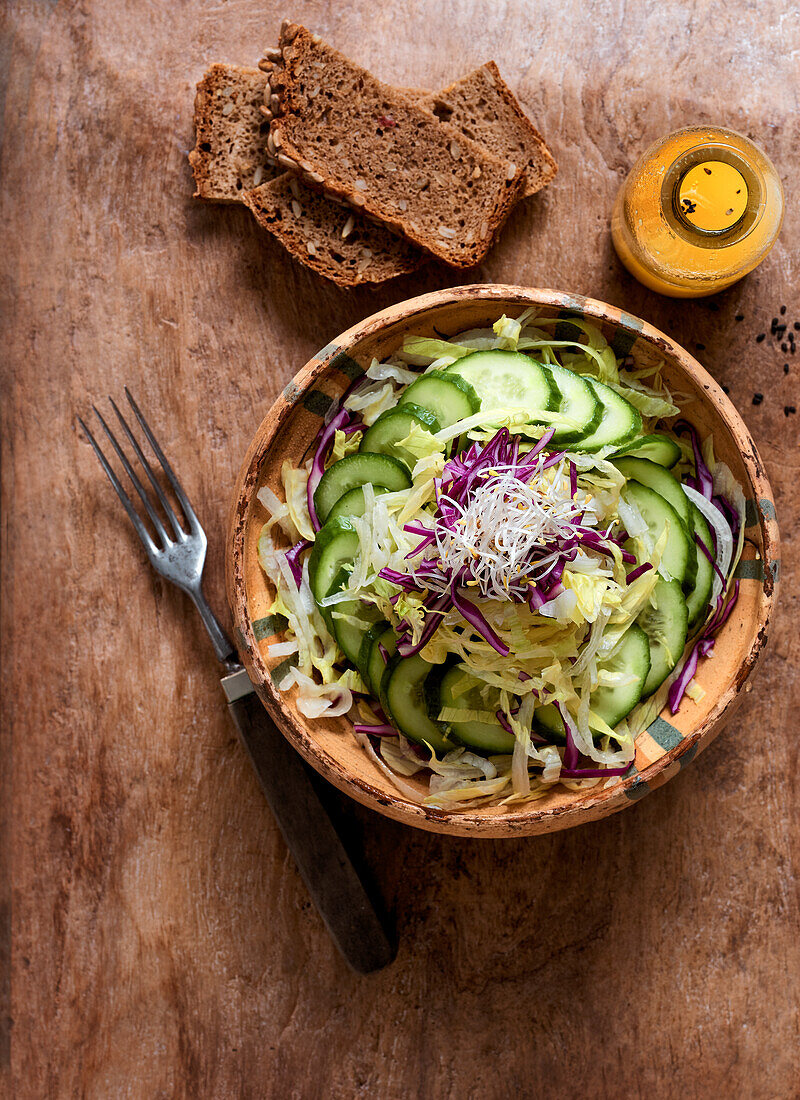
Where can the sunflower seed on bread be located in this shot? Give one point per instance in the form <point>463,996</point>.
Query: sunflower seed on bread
<point>484,108</point>
<point>230,154</point>
<point>327,236</point>
<point>373,123</point>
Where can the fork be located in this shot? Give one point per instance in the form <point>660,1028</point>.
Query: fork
<point>178,553</point>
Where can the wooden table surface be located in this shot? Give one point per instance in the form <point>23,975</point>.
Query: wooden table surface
<point>157,940</point>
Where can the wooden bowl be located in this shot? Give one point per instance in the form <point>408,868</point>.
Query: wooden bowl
<point>670,742</point>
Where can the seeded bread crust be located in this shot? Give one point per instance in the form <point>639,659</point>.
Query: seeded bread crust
<point>230,154</point>
<point>482,106</point>
<point>364,142</point>
<point>327,236</point>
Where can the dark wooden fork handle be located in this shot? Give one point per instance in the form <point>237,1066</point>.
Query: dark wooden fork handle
<point>323,862</point>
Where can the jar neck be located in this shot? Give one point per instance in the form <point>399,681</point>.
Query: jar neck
<point>676,215</point>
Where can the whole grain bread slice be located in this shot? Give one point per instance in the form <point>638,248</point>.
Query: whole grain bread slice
<point>368,144</point>
<point>482,106</point>
<point>231,164</point>
<point>230,152</point>
<point>327,236</point>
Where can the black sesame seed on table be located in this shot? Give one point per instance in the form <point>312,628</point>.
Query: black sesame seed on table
<point>797,326</point>
<point>784,348</point>
<point>785,368</point>
<point>761,337</point>
<point>700,347</point>
<point>740,317</point>
<point>725,389</point>
<point>758,398</point>
<point>789,410</point>
<point>783,310</point>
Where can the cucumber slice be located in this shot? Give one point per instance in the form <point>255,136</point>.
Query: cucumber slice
<point>354,470</point>
<point>548,721</point>
<point>611,703</point>
<point>506,380</point>
<point>657,513</point>
<point>699,595</point>
<point>352,503</point>
<point>336,545</point>
<point>351,620</point>
<point>666,625</point>
<point>619,421</point>
<point>658,448</point>
<point>403,696</point>
<point>577,401</point>
<point>395,424</point>
<point>660,480</point>
<point>632,655</point>
<point>458,689</point>
<point>447,396</point>
<point>371,661</point>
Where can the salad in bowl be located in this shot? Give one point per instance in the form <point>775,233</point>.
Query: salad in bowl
<point>504,553</point>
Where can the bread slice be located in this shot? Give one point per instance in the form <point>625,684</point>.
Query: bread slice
<point>482,106</point>
<point>364,142</point>
<point>230,153</point>
<point>328,237</point>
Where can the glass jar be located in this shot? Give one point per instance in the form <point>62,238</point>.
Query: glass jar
<point>700,209</point>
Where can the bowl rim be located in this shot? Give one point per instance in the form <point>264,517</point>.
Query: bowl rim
<point>528,820</point>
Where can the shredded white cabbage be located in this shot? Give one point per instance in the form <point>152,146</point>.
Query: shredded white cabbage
<point>560,653</point>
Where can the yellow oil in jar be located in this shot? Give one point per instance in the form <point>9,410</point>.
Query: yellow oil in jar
<point>698,211</point>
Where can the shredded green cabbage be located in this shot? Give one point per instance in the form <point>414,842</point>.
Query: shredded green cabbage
<point>556,654</point>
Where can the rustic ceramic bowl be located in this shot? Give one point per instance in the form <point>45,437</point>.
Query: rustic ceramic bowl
<point>671,742</point>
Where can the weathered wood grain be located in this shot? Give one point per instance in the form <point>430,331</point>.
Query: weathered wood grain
<point>161,942</point>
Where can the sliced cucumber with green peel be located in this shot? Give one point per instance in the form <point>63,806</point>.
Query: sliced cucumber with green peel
<point>336,545</point>
<point>698,596</point>
<point>609,702</point>
<point>619,420</point>
<point>352,503</point>
<point>577,400</point>
<point>548,721</point>
<point>632,655</point>
<point>394,425</point>
<point>371,662</point>
<point>403,698</point>
<point>660,480</point>
<point>354,470</point>
<point>665,621</point>
<point>351,620</point>
<point>658,514</point>
<point>657,447</point>
<point>458,690</point>
<point>507,380</point>
<point>449,397</point>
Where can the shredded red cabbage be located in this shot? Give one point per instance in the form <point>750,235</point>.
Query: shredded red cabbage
<point>376,731</point>
<point>293,559</point>
<point>636,573</point>
<point>470,612</point>
<point>326,439</point>
<point>704,480</point>
<point>702,647</point>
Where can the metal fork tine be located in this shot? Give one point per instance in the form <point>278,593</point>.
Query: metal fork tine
<point>133,515</point>
<point>165,504</point>
<point>183,500</point>
<point>140,489</point>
